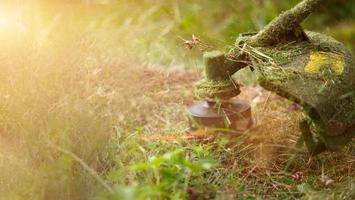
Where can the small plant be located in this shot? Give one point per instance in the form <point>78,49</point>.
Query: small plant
<point>167,176</point>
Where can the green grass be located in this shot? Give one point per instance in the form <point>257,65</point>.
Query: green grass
<point>83,85</point>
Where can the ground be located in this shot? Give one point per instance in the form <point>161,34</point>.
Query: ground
<point>123,115</point>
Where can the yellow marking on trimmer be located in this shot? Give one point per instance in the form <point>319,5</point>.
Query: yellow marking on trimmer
<point>318,60</point>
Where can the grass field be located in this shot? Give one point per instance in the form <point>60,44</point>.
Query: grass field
<point>93,98</point>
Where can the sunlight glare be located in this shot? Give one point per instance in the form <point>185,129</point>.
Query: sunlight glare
<point>4,22</point>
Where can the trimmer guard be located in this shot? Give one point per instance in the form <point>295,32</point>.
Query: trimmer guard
<point>319,74</point>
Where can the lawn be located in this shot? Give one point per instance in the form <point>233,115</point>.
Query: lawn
<point>93,98</point>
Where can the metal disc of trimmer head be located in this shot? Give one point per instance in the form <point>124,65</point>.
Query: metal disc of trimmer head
<point>233,114</point>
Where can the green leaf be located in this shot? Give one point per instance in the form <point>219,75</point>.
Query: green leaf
<point>304,188</point>
<point>140,166</point>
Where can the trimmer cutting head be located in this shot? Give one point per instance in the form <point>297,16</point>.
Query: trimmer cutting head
<point>218,109</point>
<point>231,115</point>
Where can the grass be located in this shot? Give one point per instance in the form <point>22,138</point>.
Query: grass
<point>81,87</point>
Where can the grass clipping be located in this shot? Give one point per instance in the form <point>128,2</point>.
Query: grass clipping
<point>211,90</point>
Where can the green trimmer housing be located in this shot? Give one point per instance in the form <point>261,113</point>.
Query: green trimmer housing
<point>311,69</point>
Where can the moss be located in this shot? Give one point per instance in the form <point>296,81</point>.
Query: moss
<point>218,83</point>
<point>319,60</point>
<point>310,68</point>
<point>209,89</point>
<point>218,67</point>
<point>283,54</point>
<point>215,66</point>
<point>286,27</point>
<point>317,73</point>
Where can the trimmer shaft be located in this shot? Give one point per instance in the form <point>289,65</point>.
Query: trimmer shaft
<point>233,114</point>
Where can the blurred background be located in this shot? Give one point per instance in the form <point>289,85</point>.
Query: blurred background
<point>153,30</point>
<point>72,108</point>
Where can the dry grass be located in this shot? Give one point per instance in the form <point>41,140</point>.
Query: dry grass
<point>99,112</point>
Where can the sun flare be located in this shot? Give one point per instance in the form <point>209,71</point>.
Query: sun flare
<point>4,21</point>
